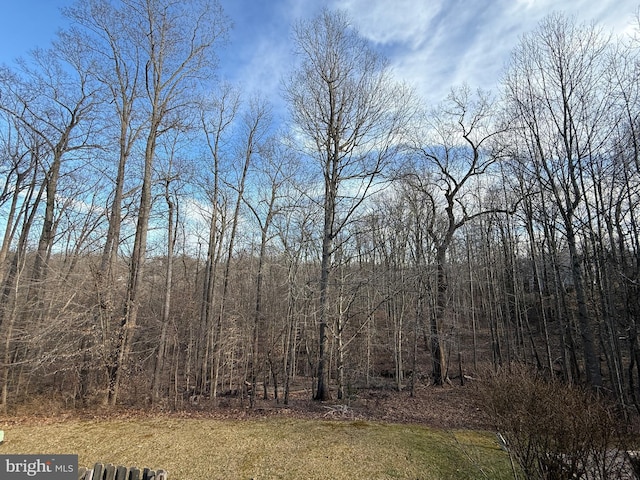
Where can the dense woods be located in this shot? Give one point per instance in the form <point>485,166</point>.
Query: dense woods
<point>167,240</point>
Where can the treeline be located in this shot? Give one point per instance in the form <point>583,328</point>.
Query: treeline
<point>167,240</point>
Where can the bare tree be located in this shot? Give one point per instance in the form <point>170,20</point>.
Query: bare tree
<point>348,112</point>
<point>178,42</point>
<point>217,115</point>
<point>620,194</point>
<point>254,126</point>
<point>171,181</point>
<point>102,28</point>
<point>277,167</point>
<point>456,149</point>
<point>54,99</point>
<point>560,113</point>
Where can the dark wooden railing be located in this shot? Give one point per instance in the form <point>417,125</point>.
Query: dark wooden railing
<point>118,472</point>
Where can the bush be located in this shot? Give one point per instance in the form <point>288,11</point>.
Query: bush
<point>556,431</point>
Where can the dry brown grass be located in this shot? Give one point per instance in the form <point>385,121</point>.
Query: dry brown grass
<point>286,448</point>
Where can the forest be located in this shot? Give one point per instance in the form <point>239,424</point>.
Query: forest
<point>167,240</point>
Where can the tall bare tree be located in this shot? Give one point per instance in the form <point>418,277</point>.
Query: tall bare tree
<point>217,115</point>
<point>554,88</point>
<point>456,148</point>
<point>349,113</point>
<point>276,169</point>
<point>178,43</point>
<point>253,128</point>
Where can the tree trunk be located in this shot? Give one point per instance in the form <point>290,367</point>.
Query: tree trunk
<point>592,364</point>
<point>438,360</point>
<point>159,363</point>
<point>322,389</point>
<point>129,320</point>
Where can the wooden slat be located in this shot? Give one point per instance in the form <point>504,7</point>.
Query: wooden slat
<point>134,474</point>
<point>98,472</point>
<point>122,473</point>
<point>109,472</point>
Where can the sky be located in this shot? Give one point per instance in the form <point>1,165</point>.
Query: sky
<point>433,45</point>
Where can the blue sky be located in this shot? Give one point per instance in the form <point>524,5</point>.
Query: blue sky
<point>432,44</point>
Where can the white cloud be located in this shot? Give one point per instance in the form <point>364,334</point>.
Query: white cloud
<point>383,22</point>
<point>434,45</point>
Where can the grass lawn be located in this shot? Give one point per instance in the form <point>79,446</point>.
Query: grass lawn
<point>198,449</point>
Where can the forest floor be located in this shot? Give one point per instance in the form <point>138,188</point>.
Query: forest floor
<point>447,407</point>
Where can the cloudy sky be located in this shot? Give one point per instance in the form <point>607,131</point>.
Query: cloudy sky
<point>432,44</point>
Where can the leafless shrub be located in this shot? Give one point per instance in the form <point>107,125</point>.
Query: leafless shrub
<point>554,430</point>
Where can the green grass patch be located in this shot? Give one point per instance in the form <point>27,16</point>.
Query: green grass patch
<point>193,449</point>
